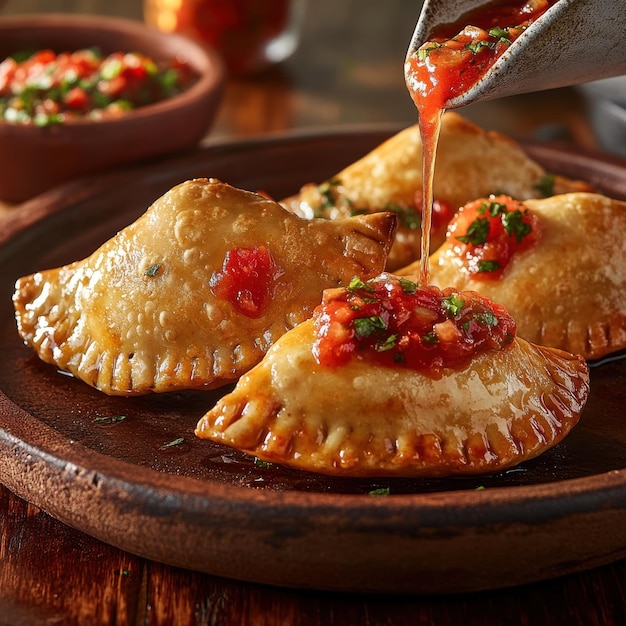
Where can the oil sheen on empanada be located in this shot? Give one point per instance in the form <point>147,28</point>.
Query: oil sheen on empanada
<point>365,418</point>
<point>471,163</point>
<point>568,289</point>
<point>141,313</point>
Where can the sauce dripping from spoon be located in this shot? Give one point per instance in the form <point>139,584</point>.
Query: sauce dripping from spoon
<point>455,57</point>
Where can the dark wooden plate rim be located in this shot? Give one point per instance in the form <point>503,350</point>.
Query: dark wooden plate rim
<point>38,463</point>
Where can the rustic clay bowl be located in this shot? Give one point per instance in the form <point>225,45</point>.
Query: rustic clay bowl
<point>35,159</point>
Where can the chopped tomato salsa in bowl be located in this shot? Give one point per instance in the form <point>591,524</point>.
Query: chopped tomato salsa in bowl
<point>45,87</point>
<point>82,94</point>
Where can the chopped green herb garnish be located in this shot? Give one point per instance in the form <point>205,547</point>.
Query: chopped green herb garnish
<point>327,190</point>
<point>488,266</point>
<point>493,208</point>
<point>501,34</point>
<point>477,232</point>
<point>261,463</point>
<point>174,442</point>
<point>387,344</point>
<point>476,46</point>
<point>453,304</point>
<point>408,286</point>
<point>381,491</point>
<point>111,419</point>
<point>423,53</point>
<point>356,284</point>
<point>430,337</point>
<point>365,326</point>
<point>153,270</point>
<point>487,318</point>
<point>515,225</point>
<point>409,216</point>
<point>480,488</point>
<point>546,185</point>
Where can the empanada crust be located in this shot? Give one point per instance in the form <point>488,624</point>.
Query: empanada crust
<point>567,290</point>
<point>363,419</point>
<point>471,163</point>
<point>139,315</point>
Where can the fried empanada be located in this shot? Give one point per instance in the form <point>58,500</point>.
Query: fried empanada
<point>365,416</point>
<point>194,292</point>
<point>567,289</point>
<point>471,163</point>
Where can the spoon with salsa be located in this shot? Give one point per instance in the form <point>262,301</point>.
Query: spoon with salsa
<point>508,47</point>
<point>462,53</point>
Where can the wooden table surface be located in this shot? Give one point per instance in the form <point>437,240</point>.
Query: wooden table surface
<point>347,71</point>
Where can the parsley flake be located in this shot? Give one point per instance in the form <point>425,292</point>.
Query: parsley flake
<point>153,270</point>
<point>501,34</point>
<point>477,232</point>
<point>476,46</point>
<point>408,216</point>
<point>261,463</point>
<point>387,344</point>
<point>408,286</point>
<point>493,208</point>
<point>365,326</point>
<point>546,185</point>
<point>487,318</point>
<point>424,53</point>
<point>356,283</point>
<point>110,419</point>
<point>174,442</point>
<point>430,337</point>
<point>381,491</point>
<point>488,266</point>
<point>453,304</point>
<point>515,225</point>
<point>327,191</point>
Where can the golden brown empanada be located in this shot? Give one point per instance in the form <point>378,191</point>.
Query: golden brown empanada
<point>471,163</point>
<point>366,417</point>
<point>194,292</point>
<point>567,289</point>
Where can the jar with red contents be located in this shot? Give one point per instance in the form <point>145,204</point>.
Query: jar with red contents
<point>249,34</point>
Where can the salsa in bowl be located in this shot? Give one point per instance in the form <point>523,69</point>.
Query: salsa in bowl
<point>81,94</point>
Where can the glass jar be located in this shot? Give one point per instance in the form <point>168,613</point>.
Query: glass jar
<point>249,34</point>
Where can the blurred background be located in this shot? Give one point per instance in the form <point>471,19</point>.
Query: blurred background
<point>347,70</point>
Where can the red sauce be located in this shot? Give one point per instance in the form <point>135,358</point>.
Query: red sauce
<point>46,87</point>
<point>486,233</point>
<point>248,280</point>
<point>441,212</point>
<point>397,323</point>
<point>451,62</point>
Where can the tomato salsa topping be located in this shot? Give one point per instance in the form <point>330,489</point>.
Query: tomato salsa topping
<point>248,280</point>
<point>486,233</point>
<point>46,87</point>
<point>398,323</point>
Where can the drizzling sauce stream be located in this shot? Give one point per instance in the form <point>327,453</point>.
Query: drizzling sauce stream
<point>453,60</point>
